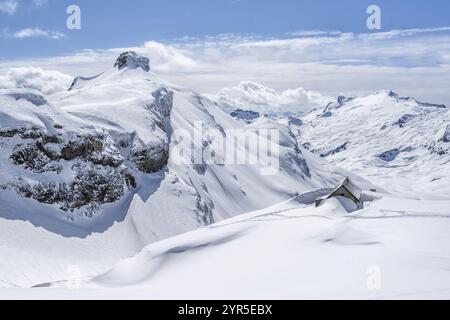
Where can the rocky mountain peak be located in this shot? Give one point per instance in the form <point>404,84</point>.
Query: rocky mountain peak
<point>391,93</point>
<point>132,60</point>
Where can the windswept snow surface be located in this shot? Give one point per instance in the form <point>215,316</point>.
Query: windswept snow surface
<point>394,249</point>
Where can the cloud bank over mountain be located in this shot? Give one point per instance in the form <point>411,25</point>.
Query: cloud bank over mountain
<point>412,62</point>
<point>253,96</point>
<point>45,81</point>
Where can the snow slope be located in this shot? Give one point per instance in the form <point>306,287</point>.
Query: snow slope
<point>393,141</point>
<point>394,249</point>
<point>86,177</point>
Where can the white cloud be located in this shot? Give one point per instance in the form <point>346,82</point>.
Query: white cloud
<point>9,6</point>
<point>253,96</point>
<point>401,33</point>
<point>412,62</point>
<point>38,33</point>
<point>47,82</point>
<point>40,3</point>
<point>314,33</point>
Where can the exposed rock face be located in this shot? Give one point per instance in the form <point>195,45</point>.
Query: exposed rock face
<point>78,165</point>
<point>294,121</point>
<point>79,80</point>
<point>441,144</point>
<point>446,137</point>
<point>163,106</point>
<point>331,152</point>
<point>204,211</point>
<point>132,60</point>
<point>150,158</point>
<point>404,120</point>
<point>95,162</point>
<point>327,114</point>
<point>246,115</point>
<point>390,155</point>
<point>81,147</point>
<point>30,157</point>
<point>92,186</point>
<point>41,148</point>
<point>340,101</point>
<point>153,157</point>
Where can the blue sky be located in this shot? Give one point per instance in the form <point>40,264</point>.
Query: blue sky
<point>111,24</point>
<point>208,45</point>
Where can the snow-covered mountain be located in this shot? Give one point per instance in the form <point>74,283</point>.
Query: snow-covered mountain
<point>93,174</point>
<point>123,164</point>
<point>394,248</point>
<point>397,142</point>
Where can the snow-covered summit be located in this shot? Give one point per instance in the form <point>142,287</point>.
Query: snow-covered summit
<point>132,60</point>
<point>396,97</point>
<point>398,142</point>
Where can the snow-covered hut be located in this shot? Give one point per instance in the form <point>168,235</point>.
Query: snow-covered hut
<point>345,189</point>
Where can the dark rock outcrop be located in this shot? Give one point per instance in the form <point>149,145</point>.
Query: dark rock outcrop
<point>246,115</point>
<point>446,137</point>
<point>132,60</point>
<point>31,158</point>
<point>404,120</point>
<point>153,157</point>
<point>334,151</point>
<point>79,80</point>
<point>150,159</point>
<point>91,187</point>
<point>294,121</point>
<point>390,155</point>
